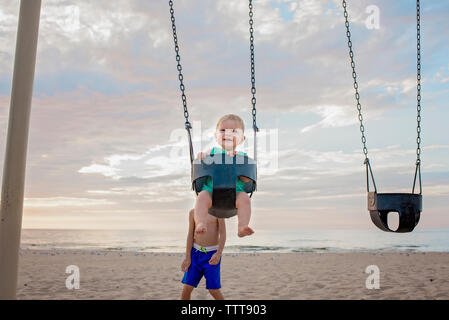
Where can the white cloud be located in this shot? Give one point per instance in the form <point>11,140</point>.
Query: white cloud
<point>332,116</point>
<point>331,197</point>
<point>65,202</point>
<point>403,86</point>
<point>64,20</point>
<point>408,85</point>
<point>105,170</point>
<point>436,147</point>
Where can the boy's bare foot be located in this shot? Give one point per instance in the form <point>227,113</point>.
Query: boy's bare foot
<point>245,231</point>
<point>200,228</point>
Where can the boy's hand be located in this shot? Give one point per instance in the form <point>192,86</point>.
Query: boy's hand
<point>231,153</point>
<point>202,155</point>
<point>185,264</point>
<point>215,258</point>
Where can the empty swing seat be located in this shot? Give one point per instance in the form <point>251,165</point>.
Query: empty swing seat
<point>224,171</point>
<point>407,205</point>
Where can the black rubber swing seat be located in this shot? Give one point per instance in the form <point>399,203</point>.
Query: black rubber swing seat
<point>224,171</point>
<point>407,205</point>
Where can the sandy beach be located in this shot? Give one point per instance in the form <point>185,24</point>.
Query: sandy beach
<point>130,275</point>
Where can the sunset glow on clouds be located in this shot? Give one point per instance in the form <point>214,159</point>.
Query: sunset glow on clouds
<point>107,128</point>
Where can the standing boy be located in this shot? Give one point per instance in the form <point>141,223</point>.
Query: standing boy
<point>203,256</point>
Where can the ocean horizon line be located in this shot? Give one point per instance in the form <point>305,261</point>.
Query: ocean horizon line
<point>434,240</point>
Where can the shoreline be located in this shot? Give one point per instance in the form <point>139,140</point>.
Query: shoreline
<point>228,251</point>
<point>264,241</point>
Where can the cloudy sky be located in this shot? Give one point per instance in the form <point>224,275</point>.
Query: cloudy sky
<point>107,148</point>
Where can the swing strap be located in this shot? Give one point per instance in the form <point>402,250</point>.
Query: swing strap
<point>368,169</point>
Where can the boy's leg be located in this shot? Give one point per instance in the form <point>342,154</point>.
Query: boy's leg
<point>203,203</point>
<point>186,292</point>
<point>243,204</point>
<point>216,293</point>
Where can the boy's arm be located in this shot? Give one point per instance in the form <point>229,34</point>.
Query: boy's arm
<point>189,243</point>
<point>203,155</point>
<point>215,259</point>
<point>222,235</point>
<point>244,179</point>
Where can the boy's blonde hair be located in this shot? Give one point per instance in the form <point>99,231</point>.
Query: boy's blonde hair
<point>232,117</point>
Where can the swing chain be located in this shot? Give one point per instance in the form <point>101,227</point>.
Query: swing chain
<point>253,69</point>
<point>369,172</point>
<point>179,67</point>
<point>418,78</point>
<point>188,125</point>
<point>356,85</point>
<point>418,98</point>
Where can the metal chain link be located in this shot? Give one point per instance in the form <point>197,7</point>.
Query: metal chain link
<point>418,86</point>
<point>418,98</point>
<point>187,124</point>
<point>356,86</point>
<point>179,67</point>
<point>253,69</point>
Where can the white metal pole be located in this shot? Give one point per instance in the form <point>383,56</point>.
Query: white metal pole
<point>16,146</point>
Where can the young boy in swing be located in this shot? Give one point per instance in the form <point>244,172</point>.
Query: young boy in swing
<point>229,134</point>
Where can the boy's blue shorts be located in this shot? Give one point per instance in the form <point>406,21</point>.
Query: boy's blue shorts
<point>200,267</point>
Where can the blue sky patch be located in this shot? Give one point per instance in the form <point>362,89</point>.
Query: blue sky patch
<point>286,13</point>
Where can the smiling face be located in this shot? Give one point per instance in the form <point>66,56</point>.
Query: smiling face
<point>229,134</point>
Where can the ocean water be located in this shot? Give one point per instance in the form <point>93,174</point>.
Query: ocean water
<point>261,241</point>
